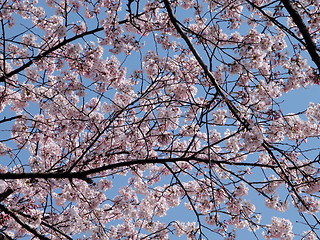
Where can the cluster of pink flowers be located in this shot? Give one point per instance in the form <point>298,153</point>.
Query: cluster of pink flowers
<point>279,228</point>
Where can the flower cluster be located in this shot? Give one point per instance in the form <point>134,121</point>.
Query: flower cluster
<point>279,228</point>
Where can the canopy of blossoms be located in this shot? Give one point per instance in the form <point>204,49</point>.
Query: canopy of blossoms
<point>155,119</point>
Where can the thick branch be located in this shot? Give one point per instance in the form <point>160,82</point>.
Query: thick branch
<point>22,224</point>
<point>83,175</point>
<point>310,45</point>
<point>6,194</point>
<point>10,119</point>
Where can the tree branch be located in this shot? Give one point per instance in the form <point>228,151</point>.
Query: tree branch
<point>310,45</point>
<point>47,52</point>
<point>83,175</point>
<point>22,224</point>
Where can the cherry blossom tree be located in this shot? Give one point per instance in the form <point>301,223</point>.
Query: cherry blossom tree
<point>147,119</point>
